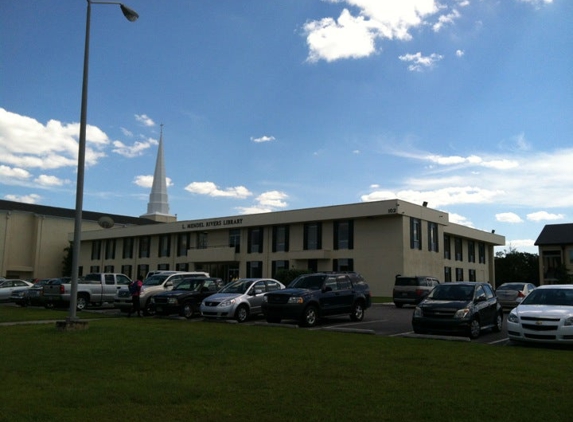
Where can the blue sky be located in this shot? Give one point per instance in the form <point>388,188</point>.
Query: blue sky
<point>277,105</point>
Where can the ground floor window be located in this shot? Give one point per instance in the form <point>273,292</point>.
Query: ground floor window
<point>472,275</point>
<point>447,274</point>
<point>108,269</point>
<point>254,269</point>
<point>142,270</point>
<point>345,264</point>
<point>279,266</point>
<point>459,274</point>
<point>94,269</point>
<point>182,266</point>
<point>127,270</point>
<point>163,267</point>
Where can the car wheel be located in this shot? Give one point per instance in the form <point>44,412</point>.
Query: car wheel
<point>475,328</point>
<point>242,313</point>
<point>187,310</point>
<point>357,312</point>
<point>309,317</point>
<point>398,305</point>
<point>148,310</point>
<point>273,320</point>
<point>498,323</point>
<point>82,303</point>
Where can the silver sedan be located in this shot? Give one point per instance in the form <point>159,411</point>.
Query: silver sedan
<point>7,286</point>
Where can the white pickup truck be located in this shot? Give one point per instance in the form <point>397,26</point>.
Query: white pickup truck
<point>94,288</point>
<point>157,282</point>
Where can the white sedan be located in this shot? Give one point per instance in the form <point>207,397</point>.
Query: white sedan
<point>544,316</point>
<point>7,286</point>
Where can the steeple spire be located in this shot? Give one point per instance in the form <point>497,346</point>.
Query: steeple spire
<point>158,206</point>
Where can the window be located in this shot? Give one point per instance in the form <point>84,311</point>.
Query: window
<point>183,243</point>
<point>472,275</point>
<point>458,248</point>
<point>433,237</point>
<point>447,274</point>
<point>489,294</point>
<point>126,269</point>
<point>312,265</point>
<point>571,256</point>
<point>481,251</point>
<point>108,269</point>
<point>415,233</point>
<point>254,269</point>
<point>312,236</point>
<point>279,266</point>
<point>96,250</point>
<point>255,244</point>
<point>459,274</point>
<point>235,239</point>
<point>272,285</point>
<point>280,238</point>
<point>163,267</point>
<point>447,247</point>
<point>182,267</point>
<point>471,251</point>
<point>344,234</point>
<point>202,240</point>
<point>164,245</point>
<point>110,249</point>
<point>144,246</point>
<point>94,269</point>
<point>345,264</point>
<point>127,248</point>
<point>142,270</point>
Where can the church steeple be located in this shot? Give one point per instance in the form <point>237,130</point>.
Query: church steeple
<point>158,206</point>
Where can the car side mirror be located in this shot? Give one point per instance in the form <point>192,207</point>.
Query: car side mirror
<point>168,284</point>
<point>480,298</point>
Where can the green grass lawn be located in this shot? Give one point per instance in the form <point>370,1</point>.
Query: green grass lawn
<point>149,369</point>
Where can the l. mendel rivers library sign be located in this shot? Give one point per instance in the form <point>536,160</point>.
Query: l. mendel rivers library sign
<point>213,223</point>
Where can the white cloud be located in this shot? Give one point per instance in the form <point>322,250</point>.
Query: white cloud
<point>126,132</point>
<point>10,174</point>
<point>146,181</point>
<point>263,139</point>
<point>508,217</point>
<point>144,120</point>
<point>210,189</point>
<point>459,219</point>
<point>536,2</point>
<point>446,19</point>
<point>355,36</point>
<point>544,216</point>
<point>520,243</point>
<point>135,150</point>
<point>45,180</point>
<point>439,197</point>
<point>266,202</point>
<point>460,53</point>
<point>26,199</point>
<point>419,63</point>
<point>472,160</point>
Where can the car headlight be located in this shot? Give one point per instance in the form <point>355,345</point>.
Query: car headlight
<point>228,302</point>
<point>418,313</point>
<point>462,313</point>
<point>568,321</point>
<point>295,299</point>
<point>172,301</point>
<point>512,317</point>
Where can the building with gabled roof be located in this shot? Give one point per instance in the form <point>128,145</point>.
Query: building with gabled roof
<point>555,243</point>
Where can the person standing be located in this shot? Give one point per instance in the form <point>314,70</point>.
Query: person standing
<point>135,290</point>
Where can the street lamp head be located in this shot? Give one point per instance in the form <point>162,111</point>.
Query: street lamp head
<point>130,15</point>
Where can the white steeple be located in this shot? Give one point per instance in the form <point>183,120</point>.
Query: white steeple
<point>158,207</point>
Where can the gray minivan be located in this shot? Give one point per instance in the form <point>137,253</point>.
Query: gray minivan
<point>412,290</point>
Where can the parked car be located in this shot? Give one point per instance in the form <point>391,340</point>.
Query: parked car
<point>412,290</point>
<point>36,292</point>
<point>185,298</point>
<point>544,316</point>
<point>158,282</point>
<point>7,286</point>
<point>312,296</point>
<point>460,307</point>
<point>509,295</point>
<point>240,299</point>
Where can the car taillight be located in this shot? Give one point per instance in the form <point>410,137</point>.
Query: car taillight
<point>520,294</point>
<point>62,289</point>
<point>419,292</point>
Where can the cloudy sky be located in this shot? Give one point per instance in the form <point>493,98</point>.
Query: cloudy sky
<point>277,105</point>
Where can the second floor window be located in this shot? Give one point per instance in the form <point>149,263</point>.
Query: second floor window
<point>344,234</point>
<point>128,248</point>
<point>164,245</point>
<point>312,236</point>
<point>235,239</point>
<point>481,249</point>
<point>96,249</point>
<point>183,243</point>
<point>110,249</point>
<point>255,240</point>
<point>471,252</point>
<point>433,237</point>
<point>280,238</point>
<point>202,240</point>
<point>144,246</point>
<point>415,233</point>
<point>458,249</point>
<point>447,247</point>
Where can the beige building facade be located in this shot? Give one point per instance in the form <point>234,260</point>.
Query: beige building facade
<point>33,237</point>
<point>377,239</point>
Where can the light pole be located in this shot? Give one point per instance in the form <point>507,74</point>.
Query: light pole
<point>131,16</point>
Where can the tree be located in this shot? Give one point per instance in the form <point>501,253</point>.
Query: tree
<point>516,266</point>
<point>67,261</point>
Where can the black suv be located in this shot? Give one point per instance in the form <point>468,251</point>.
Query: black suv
<point>186,297</point>
<point>462,307</point>
<point>312,296</point>
<point>412,290</point>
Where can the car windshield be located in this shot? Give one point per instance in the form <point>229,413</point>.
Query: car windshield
<point>313,282</point>
<point>511,286</point>
<point>452,292</point>
<point>155,280</point>
<point>556,297</point>
<point>406,281</point>
<point>239,286</point>
<point>192,284</point>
